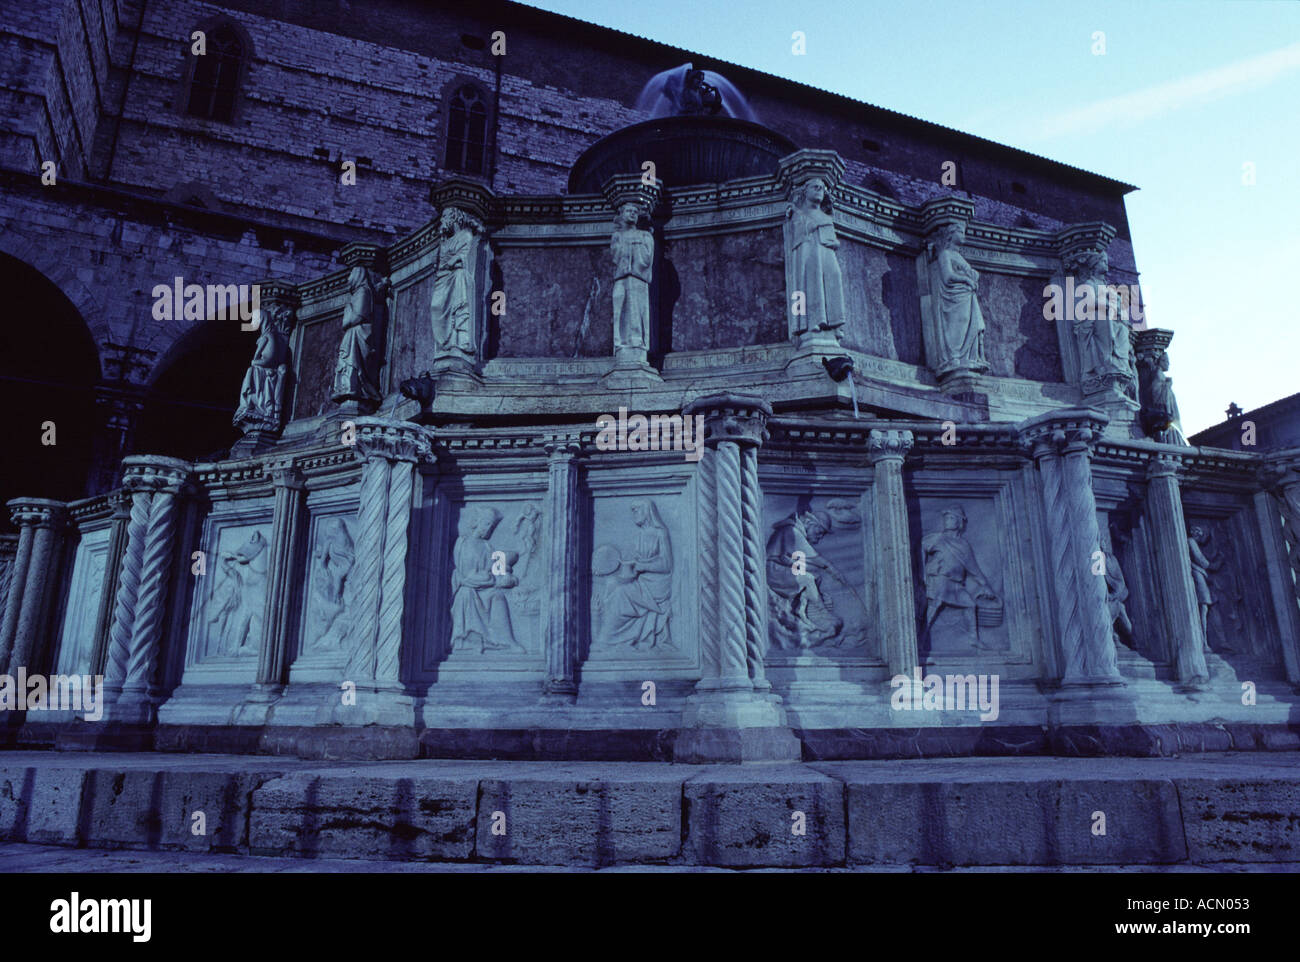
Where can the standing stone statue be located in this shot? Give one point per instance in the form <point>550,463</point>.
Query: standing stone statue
<point>356,377</point>
<point>1160,417</point>
<point>1116,596</point>
<point>1106,360</point>
<point>951,572</point>
<point>956,341</point>
<point>1201,568</point>
<point>454,305</point>
<point>261,397</point>
<point>814,280</point>
<point>633,251</point>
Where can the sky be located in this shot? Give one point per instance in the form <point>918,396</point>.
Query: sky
<point>1197,102</point>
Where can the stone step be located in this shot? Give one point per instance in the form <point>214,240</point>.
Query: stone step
<point>1208,809</point>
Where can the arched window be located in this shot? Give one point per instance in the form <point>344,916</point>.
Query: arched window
<point>215,81</point>
<point>467,131</point>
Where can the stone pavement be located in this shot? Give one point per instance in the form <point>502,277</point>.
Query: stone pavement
<point>1223,812</point>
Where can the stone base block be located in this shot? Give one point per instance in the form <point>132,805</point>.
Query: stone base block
<point>1241,821</point>
<point>183,809</point>
<point>557,819</point>
<point>41,804</point>
<point>1043,821</point>
<point>348,815</point>
<point>105,736</point>
<point>777,816</point>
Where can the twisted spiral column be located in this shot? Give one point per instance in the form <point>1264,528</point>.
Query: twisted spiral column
<point>1061,444</point>
<point>733,602</point>
<point>150,606</point>
<point>751,518</point>
<point>730,561</point>
<point>372,522</point>
<point>708,503</point>
<point>391,450</point>
<point>388,640</point>
<point>128,588</point>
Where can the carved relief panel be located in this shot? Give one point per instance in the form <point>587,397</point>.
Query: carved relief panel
<point>226,627</point>
<point>78,637</point>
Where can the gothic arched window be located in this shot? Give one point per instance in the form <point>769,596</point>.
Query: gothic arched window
<point>467,118</point>
<point>215,80</point>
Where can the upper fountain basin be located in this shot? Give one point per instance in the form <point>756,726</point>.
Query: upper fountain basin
<point>684,149</point>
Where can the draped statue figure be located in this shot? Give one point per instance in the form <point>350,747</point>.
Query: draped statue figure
<point>261,397</point>
<point>355,374</point>
<point>814,282</point>
<point>955,326</point>
<point>454,304</point>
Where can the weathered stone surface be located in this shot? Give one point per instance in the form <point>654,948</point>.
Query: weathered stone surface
<point>1040,822</point>
<point>351,815</point>
<point>1241,821</point>
<point>747,817</point>
<point>157,809</point>
<point>40,804</point>
<point>559,819</point>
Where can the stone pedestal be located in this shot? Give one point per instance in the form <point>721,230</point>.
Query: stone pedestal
<point>1168,527</point>
<point>732,716</point>
<point>390,451</point>
<point>893,561</point>
<point>24,633</point>
<point>156,486</point>
<point>560,631</point>
<point>1061,445</point>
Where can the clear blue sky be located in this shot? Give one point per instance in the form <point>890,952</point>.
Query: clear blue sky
<point>1187,92</point>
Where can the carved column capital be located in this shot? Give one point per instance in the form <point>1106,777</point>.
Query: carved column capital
<point>149,473</point>
<point>120,502</point>
<point>1164,466</point>
<point>38,513</point>
<point>1058,433</point>
<point>562,447</point>
<point>380,438</point>
<point>888,445</point>
<point>285,473</point>
<point>738,418</point>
